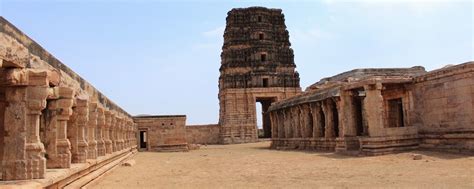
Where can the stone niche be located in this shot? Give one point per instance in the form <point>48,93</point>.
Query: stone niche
<point>161,133</point>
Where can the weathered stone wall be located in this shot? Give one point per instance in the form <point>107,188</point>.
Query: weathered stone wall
<point>164,133</point>
<point>202,134</point>
<point>445,108</point>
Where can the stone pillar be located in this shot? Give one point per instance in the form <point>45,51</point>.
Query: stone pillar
<point>107,129</point>
<point>113,133</point>
<point>100,131</point>
<point>317,120</point>
<point>128,134</point>
<point>328,114</point>
<point>306,121</point>
<point>347,113</point>
<point>288,125</point>
<point>274,124</point>
<point>118,134</point>
<point>58,146</point>
<point>121,133</point>
<point>91,130</point>
<point>135,135</point>
<point>295,122</point>
<point>125,137</point>
<point>25,96</point>
<point>281,124</point>
<point>373,105</point>
<point>78,131</point>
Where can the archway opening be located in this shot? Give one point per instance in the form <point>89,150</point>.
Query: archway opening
<point>143,140</point>
<point>263,117</point>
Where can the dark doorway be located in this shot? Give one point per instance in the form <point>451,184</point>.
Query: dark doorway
<point>322,122</point>
<point>335,117</point>
<point>265,82</point>
<point>359,118</point>
<point>143,139</point>
<point>395,113</point>
<point>266,130</point>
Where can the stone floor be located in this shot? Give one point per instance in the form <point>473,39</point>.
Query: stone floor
<point>255,166</point>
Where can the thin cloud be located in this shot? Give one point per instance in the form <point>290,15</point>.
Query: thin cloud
<point>216,32</point>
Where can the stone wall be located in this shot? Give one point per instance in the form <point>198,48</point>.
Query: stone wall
<point>202,134</point>
<point>445,108</point>
<point>163,133</point>
<point>52,118</point>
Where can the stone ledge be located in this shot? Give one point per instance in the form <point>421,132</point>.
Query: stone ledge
<point>59,178</point>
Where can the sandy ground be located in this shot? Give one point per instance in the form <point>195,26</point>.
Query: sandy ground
<point>255,166</point>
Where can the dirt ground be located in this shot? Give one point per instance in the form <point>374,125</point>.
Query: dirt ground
<point>256,166</point>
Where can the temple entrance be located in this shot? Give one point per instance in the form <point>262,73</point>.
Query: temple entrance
<point>263,118</point>
<point>143,140</point>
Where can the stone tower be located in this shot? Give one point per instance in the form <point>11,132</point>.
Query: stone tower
<point>257,66</point>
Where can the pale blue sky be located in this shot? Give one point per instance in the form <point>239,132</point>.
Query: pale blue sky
<point>163,57</point>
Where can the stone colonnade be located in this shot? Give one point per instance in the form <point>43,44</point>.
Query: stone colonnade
<point>46,125</point>
<point>313,125</point>
<point>335,122</point>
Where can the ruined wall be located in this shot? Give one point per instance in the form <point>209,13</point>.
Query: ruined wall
<point>202,134</point>
<point>445,108</point>
<point>164,133</point>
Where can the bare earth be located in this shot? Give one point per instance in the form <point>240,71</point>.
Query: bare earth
<point>255,166</point>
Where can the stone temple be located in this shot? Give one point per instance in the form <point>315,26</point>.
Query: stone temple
<point>58,131</point>
<point>257,65</point>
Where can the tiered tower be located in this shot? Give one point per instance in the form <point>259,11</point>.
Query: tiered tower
<point>257,65</point>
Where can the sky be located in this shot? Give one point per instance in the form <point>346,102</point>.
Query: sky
<point>163,56</point>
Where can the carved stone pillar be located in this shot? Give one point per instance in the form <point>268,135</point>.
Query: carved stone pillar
<point>287,118</point>
<point>78,130</point>
<point>318,120</point>
<point>274,124</point>
<point>108,124</point>
<point>100,132</point>
<point>120,133</point>
<point>281,124</point>
<point>126,134</point>
<point>58,146</point>
<point>135,135</point>
<point>329,121</point>
<point>118,126</point>
<point>129,134</point>
<point>25,94</point>
<point>91,130</point>
<point>113,133</point>
<point>295,122</point>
